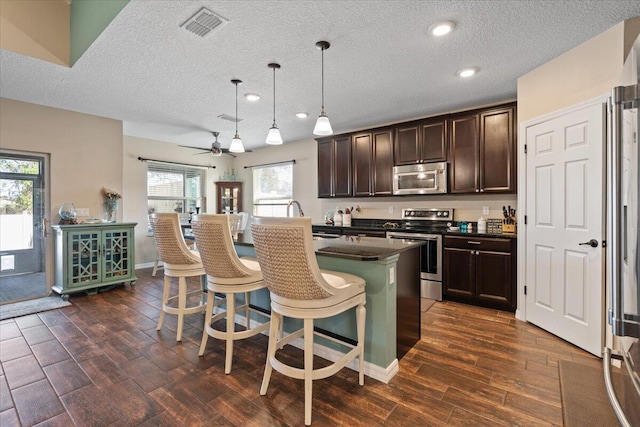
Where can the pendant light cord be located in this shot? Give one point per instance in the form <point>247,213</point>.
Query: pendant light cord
<point>322,79</point>
<point>274,96</point>
<point>236,110</point>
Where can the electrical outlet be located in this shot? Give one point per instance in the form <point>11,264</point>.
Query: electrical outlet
<point>82,211</point>
<point>485,210</point>
<point>390,209</point>
<point>392,275</point>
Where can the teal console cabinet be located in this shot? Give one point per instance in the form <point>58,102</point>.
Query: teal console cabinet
<point>90,256</point>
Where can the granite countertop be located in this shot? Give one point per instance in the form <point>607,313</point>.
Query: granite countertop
<point>474,234</point>
<point>340,228</point>
<point>351,247</point>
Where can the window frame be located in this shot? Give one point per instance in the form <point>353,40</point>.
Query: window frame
<point>278,206</point>
<point>186,202</point>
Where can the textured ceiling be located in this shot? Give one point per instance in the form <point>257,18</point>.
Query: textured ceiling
<point>383,66</point>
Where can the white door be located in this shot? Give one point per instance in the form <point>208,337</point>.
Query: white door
<point>564,207</point>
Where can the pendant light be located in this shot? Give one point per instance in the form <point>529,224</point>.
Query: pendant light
<point>323,127</point>
<point>274,137</point>
<point>236,143</point>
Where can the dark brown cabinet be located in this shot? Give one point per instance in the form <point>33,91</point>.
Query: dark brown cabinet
<point>481,271</point>
<point>334,167</point>
<point>483,151</point>
<point>229,197</point>
<point>373,163</point>
<point>421,142</point>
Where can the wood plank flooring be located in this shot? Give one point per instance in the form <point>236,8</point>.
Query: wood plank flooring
<point>101,362</point>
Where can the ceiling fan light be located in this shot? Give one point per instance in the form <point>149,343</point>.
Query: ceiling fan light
<point>274,137</point>
<point>323,127</point>
<point>236,145</point>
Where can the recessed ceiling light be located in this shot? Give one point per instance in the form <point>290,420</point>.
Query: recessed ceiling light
<point>252,96</point>
<point>302,115</point>
<point>441,28</point>
<point>467,72</point>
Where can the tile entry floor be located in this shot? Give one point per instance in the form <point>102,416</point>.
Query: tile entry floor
<point>101,362</point>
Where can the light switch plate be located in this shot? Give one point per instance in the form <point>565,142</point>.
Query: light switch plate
<point>390,209</point>
<point>485,210</point>
<point>392,275</point>
<point>82,211</point>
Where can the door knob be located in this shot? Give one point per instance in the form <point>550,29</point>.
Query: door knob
<point>593,243</point>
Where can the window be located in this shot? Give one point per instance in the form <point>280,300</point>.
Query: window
<point>173,188</point>
<point>272,189</point>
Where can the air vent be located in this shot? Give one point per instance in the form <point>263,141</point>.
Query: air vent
<point>228,117</point>
<point>203,22</point>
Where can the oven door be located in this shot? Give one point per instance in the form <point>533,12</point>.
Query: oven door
<point>430,253</point>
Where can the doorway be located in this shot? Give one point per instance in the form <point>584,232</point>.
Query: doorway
<point>22,249</point>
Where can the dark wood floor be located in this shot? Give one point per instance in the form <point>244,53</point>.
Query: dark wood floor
<point>101,362</point>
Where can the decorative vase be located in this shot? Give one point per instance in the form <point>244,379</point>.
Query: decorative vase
<point>67,212</point>
<point>111,210</point>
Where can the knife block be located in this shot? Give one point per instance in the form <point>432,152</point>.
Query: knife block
<point>509,228</point>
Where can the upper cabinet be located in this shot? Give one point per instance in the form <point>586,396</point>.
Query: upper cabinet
<point>483,151</point>
<point>373,163</point>
<point>334,167</point>
<point>421,142</point>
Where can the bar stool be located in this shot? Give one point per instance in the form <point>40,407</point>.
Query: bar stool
<point>226,274</point>
<point>299,289</point>
<point>178,262</point>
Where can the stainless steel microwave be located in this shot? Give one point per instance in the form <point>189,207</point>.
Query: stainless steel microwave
<point>426,178</point>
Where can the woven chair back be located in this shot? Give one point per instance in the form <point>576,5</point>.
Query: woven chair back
<point>287,259</point>
<point>215,245</point>
<point>167,232</point>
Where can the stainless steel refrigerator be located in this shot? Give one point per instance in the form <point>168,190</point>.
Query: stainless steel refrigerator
<point>623,252</point>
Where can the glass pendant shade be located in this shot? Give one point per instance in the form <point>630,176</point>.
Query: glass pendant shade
<point>323,127</point>
<point>274,137</point>
<point>236,145</point>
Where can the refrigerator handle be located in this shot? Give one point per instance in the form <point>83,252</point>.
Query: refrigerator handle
<point>614,213</point>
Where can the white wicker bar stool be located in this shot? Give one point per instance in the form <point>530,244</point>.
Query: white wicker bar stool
<point>179,261</point>
<point>226,274</point>
<point>299,289</point>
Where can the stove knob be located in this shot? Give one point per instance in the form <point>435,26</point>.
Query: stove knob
<point>438,213</point>
<point>445,213</point>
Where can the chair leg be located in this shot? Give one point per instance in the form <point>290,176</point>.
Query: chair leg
<point>231,326</point>
<point>207,322</point>
<point>165,299</point>
<point>361,314</point>
<point>308,369</point>
<point>182,304</point>
<point>247,300</point>
<point>155,268</point>
<point>274,327</point>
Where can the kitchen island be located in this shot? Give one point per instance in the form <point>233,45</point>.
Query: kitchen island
<point>391,269</point>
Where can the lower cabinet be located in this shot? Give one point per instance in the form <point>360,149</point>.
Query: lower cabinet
<point>480,271</point>
<point>91,256</point>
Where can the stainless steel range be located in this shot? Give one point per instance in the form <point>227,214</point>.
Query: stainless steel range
<point>426,225</point>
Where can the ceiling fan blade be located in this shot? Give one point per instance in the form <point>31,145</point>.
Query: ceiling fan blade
<point>195,148</point>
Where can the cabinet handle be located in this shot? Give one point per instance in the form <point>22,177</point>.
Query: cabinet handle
<point>482,190</point>
<point>477,252</point>
<point>471,242</point>
<point>477,191</point>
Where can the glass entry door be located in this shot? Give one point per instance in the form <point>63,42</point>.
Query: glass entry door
<point>21,227</point>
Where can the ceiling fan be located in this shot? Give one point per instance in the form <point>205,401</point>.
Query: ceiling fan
<point>216,148</point>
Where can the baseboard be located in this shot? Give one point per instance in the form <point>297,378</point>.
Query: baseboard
<point>373,371</point>
<point>145,265</point>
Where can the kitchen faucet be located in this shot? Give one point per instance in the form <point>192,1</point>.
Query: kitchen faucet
<point>295,202</point>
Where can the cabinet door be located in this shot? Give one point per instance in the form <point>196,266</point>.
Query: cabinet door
<point>464,154</point>
<point>434,141</point>
<point>325,168</point>
<point>84,260</point>
<point>116,254</point>
<point>494,277</point>
<point>362,166</point>
<point>497,154</point>
<point>407,145</point>
<point>342,167</point>
<point>459,272</point>
<point>382,174</point>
